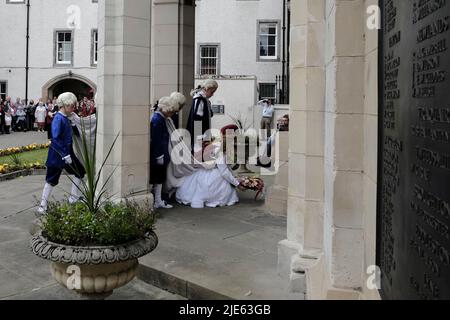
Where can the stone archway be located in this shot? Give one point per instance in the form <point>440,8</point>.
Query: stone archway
<point>78,84</point>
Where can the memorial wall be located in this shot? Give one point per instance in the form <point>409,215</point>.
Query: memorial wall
<point>414,163</point>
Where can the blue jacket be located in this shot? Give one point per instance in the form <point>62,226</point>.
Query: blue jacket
<point>160,137</point>
<point>61,145</point>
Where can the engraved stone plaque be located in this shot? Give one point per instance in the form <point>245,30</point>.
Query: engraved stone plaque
<point>413,249</point>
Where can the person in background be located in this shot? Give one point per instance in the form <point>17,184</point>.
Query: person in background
<point>267,116</point>
<point>89,110</point>
<point>30,110</point>
<point>21,116</point>
<point>12,111</point>
<point>282,126</point>
<point>2,117</point>
<point>83,107</point>
<point>52,111</point>
<point>40,115</point>
<point>8,119</point>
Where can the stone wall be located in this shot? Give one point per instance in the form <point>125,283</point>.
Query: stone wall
<point>124,94</point>
<point>45,17</point>
<point>332,189</point>
<point>370,152</point>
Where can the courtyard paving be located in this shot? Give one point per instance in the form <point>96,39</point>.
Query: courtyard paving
<point>222,253</point>
<point>23,276</point>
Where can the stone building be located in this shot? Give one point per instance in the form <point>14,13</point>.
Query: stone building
<point>61,52</point>
<point>332,243</point>
<point>244,45</point>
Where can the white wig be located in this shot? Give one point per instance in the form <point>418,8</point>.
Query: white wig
<point>66,99</point>
<point>205,85</point>
<point>167,104</point>
<point>210,83</point>
<point>179,98</point>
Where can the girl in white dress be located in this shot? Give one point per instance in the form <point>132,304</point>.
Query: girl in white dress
<point>210,188</point>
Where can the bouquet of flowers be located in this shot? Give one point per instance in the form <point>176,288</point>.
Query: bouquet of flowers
<point>253,183</point>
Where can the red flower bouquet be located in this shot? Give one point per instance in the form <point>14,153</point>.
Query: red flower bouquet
<point>253,183</point>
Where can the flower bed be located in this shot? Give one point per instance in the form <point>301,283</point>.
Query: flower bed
<point>16,150</point>
<point>5,168</point>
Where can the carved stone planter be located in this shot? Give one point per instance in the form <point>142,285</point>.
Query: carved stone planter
<point>93,272</point>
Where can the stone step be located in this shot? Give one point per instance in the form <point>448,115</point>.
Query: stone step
<point>177,286</point>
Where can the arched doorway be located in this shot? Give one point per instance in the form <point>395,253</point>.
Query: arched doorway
<point>79,85</point>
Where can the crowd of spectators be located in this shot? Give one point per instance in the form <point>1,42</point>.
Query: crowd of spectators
<point>36,115</point>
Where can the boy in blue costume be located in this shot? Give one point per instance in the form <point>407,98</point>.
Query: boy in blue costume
<point>60,155</point>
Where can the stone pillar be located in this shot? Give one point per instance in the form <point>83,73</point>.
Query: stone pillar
<point>173,49</point>
<point>344,143</point>
<point>123,98</point>
<point>306,157</point>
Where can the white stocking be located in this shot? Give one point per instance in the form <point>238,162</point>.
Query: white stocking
<point>75,194</point>
<point>45,195</point>
<point>158,192</point>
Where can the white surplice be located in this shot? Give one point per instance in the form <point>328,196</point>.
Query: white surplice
<point>210,188</point>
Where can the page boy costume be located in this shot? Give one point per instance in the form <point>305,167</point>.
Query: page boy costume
<point>61,157</point>
<point>159,156</point>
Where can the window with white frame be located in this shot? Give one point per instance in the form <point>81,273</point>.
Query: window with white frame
<point>209,60</point>
<point>3,92</point>
<point>94,47</point>
<point>64,47</point>
<point>268,40</point>
<point>267,91</point>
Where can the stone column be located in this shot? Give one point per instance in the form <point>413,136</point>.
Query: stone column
<point>306,157</point>
<point>123,98</point>
<point>173,48</point>
<point>344,143</point>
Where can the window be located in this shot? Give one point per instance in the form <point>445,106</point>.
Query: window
<point>267,91</point>
<point>268,40</point>
<point>94,54</point>
<point>209,60</point>
<point>3,91</point>
<point>64,47</point>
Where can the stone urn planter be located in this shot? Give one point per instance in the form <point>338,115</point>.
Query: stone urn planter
<point>93,272</point>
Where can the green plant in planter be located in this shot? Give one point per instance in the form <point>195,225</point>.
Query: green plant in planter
<point>113,224</point>
<point>101,238</point>
<point>96,219</point>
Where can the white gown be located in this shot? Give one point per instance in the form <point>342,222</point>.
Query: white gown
<point>210,188</point>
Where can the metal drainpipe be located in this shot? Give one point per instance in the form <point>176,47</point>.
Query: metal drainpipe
<point>284,55</point>
<point>27,52</point>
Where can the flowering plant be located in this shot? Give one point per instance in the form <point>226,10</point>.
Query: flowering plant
<point>5,168</point>
<point>16,150</point>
